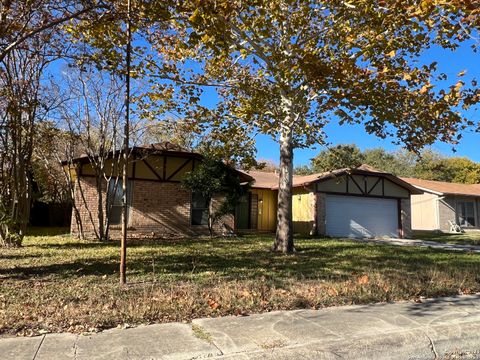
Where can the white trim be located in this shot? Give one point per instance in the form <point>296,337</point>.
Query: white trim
<point>437,211</point>
<point>429,190</point>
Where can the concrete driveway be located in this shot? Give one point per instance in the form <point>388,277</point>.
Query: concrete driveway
<point>420,243</point>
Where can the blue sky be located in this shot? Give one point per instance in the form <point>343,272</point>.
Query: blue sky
<point>449,62</point>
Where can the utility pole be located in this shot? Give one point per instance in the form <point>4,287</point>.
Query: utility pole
<point>126,140</point>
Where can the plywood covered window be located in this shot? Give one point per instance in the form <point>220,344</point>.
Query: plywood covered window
<point>199,209</point>
<point>114,197</point>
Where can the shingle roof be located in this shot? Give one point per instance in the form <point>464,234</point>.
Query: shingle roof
<point>308,179</point>
<point>269,180</point>
<point>164,146</point>
<point>263,179</point>
<point>445,187</point>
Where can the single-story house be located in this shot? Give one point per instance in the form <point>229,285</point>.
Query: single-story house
<point>442,203</point>
<point>360,202</point>
<point>158,204</point>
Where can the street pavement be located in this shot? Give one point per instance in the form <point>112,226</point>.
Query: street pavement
<point>443,328</point>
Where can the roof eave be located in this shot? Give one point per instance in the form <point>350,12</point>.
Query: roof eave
<point>136,151</point>
<point>424,189</point>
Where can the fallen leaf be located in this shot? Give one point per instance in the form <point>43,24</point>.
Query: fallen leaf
<point>362,280</point>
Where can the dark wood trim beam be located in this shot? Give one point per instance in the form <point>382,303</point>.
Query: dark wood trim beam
<point>374,185</point>
<point>399,214</point>
<point>134,169</point>
<point>358,186</point>
<point>361,195</point>
<point>179,169</point>
<point>164,168</point>
<point>383,186</point>
<point>139,179</point>
<point>152,169</point>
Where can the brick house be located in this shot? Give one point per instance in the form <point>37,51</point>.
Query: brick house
<point>158,205</point>
<point>361,202</point>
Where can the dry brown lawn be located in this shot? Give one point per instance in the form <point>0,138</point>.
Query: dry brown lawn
<point>56,283</point>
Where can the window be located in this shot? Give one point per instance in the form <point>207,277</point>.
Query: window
<point>466,213</point>
<point>199,209</point>
<point>115,194</point>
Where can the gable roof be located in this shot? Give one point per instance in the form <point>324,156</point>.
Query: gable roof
<point>269,180</point>
<point>164,148</point>
<point>445,188</point>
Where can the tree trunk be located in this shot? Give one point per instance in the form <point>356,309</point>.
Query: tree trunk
<point>100,209</point>
<point>284,235</point>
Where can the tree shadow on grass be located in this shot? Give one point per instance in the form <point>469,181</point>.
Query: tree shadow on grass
<point>38,231</point>
<point>236,259</point>
<point>62,271</point>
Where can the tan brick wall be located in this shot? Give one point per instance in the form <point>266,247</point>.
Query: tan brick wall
<point>321,197</point>
<point>446,212</point>
<point>225,225</point>
<point>158,210</point>
<point>87,206</point>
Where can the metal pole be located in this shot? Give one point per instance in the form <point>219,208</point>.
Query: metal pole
<point>126,139</point>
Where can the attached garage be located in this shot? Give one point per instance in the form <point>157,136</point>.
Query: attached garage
<point>356,216</point>
<point>359,202</point>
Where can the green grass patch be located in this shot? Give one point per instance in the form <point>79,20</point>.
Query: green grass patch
<point>201,333</point>
<point>466,238</point>
<point>56,283</point>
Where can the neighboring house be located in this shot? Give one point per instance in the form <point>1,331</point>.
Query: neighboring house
<point>444,202</point>
<point>361,202</point>
<point>158,204</point>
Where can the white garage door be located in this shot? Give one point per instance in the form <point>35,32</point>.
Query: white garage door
<point>351,216</point>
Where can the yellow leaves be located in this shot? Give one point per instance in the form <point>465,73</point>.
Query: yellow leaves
<point>462,73</point>
<point>458,85</point>
<point>407,76</point>
<point>195,17</point>
<point>424,89</point>
<point>392,53</point>
<point>243,53</point>
<point>425,4</point>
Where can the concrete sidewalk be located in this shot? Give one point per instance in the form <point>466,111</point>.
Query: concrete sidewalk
<point>447,328</point>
